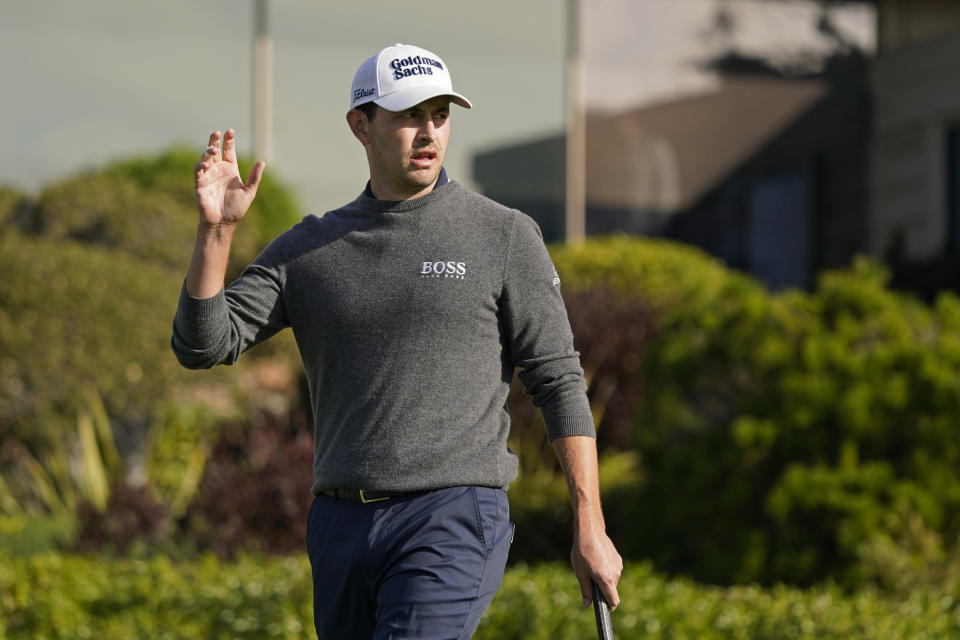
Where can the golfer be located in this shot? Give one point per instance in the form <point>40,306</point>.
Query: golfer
<point>412,306</point>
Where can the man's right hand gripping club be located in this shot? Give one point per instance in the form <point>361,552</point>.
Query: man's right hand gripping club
<point>223,199</point>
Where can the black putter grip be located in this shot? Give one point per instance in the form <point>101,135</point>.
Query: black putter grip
<point>602,611</point>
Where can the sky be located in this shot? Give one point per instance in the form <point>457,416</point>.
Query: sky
<point>89,83</point>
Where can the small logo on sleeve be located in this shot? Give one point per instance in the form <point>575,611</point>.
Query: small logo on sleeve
<point>556,278</point>
<point>443,269</point>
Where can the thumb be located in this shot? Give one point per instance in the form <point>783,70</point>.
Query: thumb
<point>253,180</point>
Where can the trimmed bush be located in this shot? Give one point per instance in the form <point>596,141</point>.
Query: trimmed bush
<point>68,597</point>
<point>52,596</point>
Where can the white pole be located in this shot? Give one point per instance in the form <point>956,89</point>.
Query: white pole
<point>576,191</point>
<point>262,82</point>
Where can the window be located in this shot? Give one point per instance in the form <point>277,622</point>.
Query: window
<point>778,230</point>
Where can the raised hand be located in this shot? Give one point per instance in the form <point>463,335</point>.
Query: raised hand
<point>222,197</point>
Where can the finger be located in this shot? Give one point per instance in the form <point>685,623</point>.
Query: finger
<point>253,180</point>
<point>586,590</point>
<point>609,591</point>
<point>229,148</point>
<point>212,152</point>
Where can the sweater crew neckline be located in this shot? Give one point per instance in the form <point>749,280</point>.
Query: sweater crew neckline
<point>366,202</point>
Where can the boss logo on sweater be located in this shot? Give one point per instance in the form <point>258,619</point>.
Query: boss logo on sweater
<point>443,269</point>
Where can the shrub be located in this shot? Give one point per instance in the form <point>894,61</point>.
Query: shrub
<point>255,492</point>
<point>777,431</point>
<point>23,535</point>
<point>13,205</point>
<point>177,450</point>
<point>147,208</point>
<point>171,174</point>
<point>74,317</point>
<point>132,515</point>
<point>91,284</point>
<point>611,333</point>
<point>39,498</point>
<point>117,213</point>
<point>52,596</point>
<point>540,508</point>
<point>92,273</point>
<point>539,604</point>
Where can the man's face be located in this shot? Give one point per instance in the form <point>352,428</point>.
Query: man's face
<point>405,149</point>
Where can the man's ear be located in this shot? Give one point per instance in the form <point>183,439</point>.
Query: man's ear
<point>359,125</point>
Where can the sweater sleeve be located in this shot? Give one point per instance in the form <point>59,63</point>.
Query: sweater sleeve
<point>539,335</point>
<point>212,331</point>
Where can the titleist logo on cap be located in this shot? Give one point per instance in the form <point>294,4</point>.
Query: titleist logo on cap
<point>363,93</point>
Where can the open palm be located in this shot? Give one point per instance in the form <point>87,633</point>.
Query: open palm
<point>222,197</point>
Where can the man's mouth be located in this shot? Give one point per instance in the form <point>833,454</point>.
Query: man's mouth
<point>423,159</point>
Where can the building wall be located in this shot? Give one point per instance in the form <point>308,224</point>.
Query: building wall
<point>916,103</point>
<point>904,23</point>
<point>801,199</point>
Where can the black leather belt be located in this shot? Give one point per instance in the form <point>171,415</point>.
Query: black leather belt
<point>346,493</point>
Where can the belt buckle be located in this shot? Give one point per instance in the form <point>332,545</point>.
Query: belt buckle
<point>365,500</point>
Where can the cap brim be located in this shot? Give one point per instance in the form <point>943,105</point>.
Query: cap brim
<point>400,100</point>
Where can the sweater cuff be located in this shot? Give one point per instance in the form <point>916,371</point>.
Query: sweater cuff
<point>201,319</point>
<point>571,425</point>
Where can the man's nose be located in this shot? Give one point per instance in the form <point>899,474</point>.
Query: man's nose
<point>427,129</point>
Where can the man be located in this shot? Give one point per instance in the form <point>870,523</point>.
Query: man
<point>412,306</point>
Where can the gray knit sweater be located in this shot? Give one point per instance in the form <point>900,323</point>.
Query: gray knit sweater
<point>411,318</point>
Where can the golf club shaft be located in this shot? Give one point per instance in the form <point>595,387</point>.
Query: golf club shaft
<point>602,612</point>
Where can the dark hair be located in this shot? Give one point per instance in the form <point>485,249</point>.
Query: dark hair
<point>368,108</point>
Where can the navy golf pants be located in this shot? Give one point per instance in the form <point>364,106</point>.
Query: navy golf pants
<point>423,566</point>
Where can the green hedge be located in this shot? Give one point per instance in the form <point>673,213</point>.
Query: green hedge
<point>53,596</point>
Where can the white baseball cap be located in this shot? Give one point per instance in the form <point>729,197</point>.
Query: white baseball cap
<point>398,77</point>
